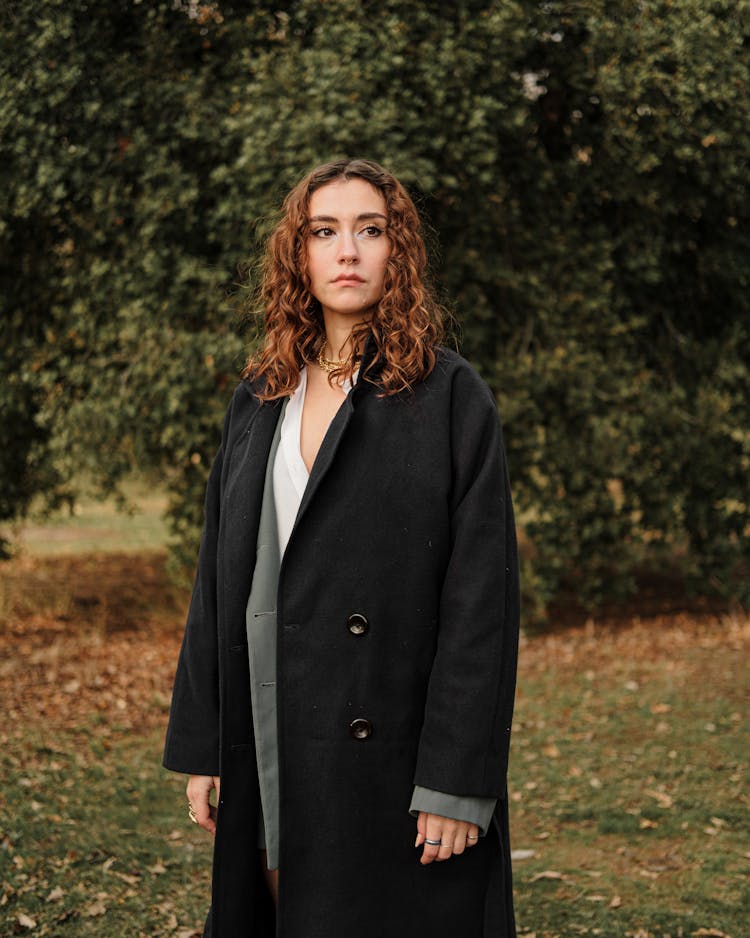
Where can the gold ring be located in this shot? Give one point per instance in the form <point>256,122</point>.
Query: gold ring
<point>191,815</point>
<point>474,837</point>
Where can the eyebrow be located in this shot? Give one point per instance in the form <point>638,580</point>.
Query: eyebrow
<point>365,216</point>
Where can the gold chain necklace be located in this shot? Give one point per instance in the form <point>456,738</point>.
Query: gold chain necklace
<point>329,364</point>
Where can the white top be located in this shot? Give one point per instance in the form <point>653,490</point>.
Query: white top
<point>290,473</point>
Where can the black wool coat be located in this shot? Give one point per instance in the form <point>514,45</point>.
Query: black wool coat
<point>407,521</point>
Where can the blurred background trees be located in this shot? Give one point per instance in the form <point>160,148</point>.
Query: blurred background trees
<point>583,168</point>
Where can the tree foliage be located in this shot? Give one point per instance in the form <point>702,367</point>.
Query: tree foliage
<point>584,168</point>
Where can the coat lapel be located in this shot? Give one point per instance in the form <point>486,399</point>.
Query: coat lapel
<point>325,456</point>
<point>244,485</point>
<point>337,428</point>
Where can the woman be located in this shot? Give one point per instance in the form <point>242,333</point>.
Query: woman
<point>349,657</point>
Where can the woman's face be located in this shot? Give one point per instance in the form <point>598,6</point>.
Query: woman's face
<point>348,248</point>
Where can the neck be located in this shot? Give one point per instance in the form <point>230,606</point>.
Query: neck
<point>338,345</point>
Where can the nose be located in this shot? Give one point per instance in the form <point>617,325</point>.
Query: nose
<point>348,253</point>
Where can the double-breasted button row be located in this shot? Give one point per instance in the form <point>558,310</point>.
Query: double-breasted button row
<point>357,623</point>
<point>360,728</point>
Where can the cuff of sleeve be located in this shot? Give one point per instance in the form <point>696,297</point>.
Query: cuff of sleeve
<point>458,807</point>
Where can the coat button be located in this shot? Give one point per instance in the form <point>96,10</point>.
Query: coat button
<point>357,623</point>
<point>360,728</point>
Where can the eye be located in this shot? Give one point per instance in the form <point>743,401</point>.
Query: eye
<point>323,232</point>
<point>372,231</point>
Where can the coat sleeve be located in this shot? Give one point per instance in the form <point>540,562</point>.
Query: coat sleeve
<point>192,743</point>
<point>465,737</point>
<point>475,810</point>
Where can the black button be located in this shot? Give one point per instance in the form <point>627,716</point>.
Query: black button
<point>360,728</point>
<point>357,623</point>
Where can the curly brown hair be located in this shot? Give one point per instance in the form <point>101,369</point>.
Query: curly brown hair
<point>407,325</point>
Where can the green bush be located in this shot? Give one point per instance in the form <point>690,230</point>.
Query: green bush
<point>585,171</point>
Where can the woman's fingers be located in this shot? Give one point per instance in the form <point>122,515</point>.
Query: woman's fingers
<point>214,809</point>
<point>459,840</point>
<point>421,828</point>
<point>198,793</point>
<point>442,837</point>
<point>433,839</point>
<point>447,839</point>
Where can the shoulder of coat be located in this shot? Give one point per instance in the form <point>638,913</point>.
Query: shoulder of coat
<point>243,403</point>
<point>461,374</point>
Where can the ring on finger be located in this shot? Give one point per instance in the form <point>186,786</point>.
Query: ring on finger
<point>472,836</point>
<point>191,815</point>
<point>433,843</point>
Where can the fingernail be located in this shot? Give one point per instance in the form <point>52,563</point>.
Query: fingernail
<point>416,842</point>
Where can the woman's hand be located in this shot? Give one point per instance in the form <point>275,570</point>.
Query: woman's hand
<point>198,793</point>
<point>454,836</point>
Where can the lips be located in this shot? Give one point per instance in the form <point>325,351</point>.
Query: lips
<point>348,278</point>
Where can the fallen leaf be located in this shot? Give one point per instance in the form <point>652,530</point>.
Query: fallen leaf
<point>25,920</point>
<point>56,894</point>
<point>95,908</point>
<point>546,874</point>
<point>522,854</point>
<point>710,933</point>
<point>157,869</point>
<point>665,800</point>
<point>615,902</point>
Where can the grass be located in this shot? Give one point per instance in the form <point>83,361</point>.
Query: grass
<point>628,780</point>
<point>96,525</point>
<point>96,839</point>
